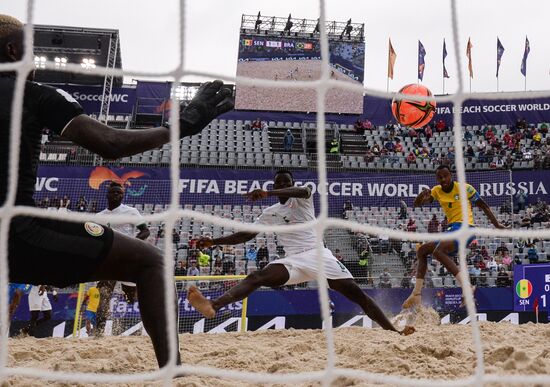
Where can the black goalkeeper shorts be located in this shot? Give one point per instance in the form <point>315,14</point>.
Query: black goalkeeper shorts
<point>56,252</point>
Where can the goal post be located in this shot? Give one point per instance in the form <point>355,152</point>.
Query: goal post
<point>124,319</point>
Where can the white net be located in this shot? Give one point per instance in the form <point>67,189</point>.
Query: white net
<point>173,213</point>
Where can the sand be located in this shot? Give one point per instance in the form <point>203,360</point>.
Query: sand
<point>437,351</point>
<point>284,99</point>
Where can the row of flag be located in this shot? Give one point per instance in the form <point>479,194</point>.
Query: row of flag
<point>392,56</point>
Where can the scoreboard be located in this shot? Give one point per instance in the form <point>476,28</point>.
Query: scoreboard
<point>531,285</point>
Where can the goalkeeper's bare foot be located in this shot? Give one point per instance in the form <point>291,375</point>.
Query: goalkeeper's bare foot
<point>200,303</point>
<point>413,301</point>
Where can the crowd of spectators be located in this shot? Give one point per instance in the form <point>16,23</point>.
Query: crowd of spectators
<point>521,142</point>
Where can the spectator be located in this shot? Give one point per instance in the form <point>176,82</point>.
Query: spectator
<point>532,254</point>
<point>338,255</point>
<point>180,269</point>
<point>369,156</point>
<point>358,127</point>
<point>492,265</point>
<point>521,197</point>
<point>502,249</point>
<point>175,237</point>
<point>503,280</point>
<point>385,279</point>
<point>256,125</point>
<point>288,140</point>
<point>347,207</point>
<point>367,125</point>
<point>507,262</point>
<point>398,146</point>
<point>411,226</point>
<point>93,207</point>
<point>334,146</point>
<point>193,269</point>
<point>474,272</point>
<point>428,132</point>
<point>402,209</point>
<point>251,253</point>
<point>411,158</point>
<point>441,126</point>
<point>262,257</point>
<point>45,136</point>
<point>433,225</point>
<point>203,258</point>
<point>82,204</point>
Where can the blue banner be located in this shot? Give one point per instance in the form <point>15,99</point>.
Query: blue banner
<point>226,186</point>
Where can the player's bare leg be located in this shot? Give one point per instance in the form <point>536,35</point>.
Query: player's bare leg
<point>133,260</point>
<point>353,292</point>
<point>424,250</point>
<point>441,253</point>
<point>272,275</point>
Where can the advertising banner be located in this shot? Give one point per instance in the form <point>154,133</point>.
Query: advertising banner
<point>283,309</point>
<point>227,186</point>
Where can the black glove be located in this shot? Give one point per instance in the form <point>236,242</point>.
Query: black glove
<point>211,100</point>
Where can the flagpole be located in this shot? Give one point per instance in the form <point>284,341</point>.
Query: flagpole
<point>497,83</point>
<point>443,84</point>
<point>525,82</point>
<point>387,84</point>
<point>470,85</point>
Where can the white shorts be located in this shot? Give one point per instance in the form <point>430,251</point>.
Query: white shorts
<point>302,267</point>
<point>37,302</point>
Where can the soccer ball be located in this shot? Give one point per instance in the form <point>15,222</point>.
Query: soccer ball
<point>414,114</point>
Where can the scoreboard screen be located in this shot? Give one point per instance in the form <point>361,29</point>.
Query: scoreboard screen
<point>531,285</point>
<point>289,58</point>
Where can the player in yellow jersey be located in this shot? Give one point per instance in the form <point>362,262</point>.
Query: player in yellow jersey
<point>448,195</point>
<point>92,297</point>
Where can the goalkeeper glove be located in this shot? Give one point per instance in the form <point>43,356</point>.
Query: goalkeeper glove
<point>211,100</point>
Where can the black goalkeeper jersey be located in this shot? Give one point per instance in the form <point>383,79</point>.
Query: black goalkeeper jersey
<point>43,106</point>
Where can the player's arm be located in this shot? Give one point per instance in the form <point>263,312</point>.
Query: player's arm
<point>233,239</point>
<point>211,100</point>
<point>143,232</point>
<point>424,197</point>
<point>290,192</point>
<point>480,203</point>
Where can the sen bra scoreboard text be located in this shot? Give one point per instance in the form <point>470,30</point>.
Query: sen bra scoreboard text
<point>531,282</point>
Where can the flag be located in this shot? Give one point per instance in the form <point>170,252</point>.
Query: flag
<point>421,64</point>
<point>525,54</point>
<point>445,73</point>
<point>524,288</point>
<point>469,55</point>
<point>536,309</point>
<point>500,51</point>
<point>391,60</point>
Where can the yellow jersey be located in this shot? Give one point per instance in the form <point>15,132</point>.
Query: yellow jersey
<point>93,299</point>
<point>450,202</point>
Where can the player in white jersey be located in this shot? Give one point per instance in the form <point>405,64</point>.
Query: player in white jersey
<point>295,206</point>
<point>38,302</point>
<point>115,195</point>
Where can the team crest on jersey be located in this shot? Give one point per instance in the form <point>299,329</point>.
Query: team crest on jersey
<point>94,229</point>
<point>456,197</point>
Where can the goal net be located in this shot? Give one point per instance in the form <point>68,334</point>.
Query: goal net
<point>366,217</point>
<point>123,317</point>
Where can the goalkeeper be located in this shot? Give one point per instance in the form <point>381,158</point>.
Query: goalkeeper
<point>58,252</point>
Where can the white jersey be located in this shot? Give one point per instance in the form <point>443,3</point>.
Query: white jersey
<point>294,211</point>
<point>125,228</point>
<point>37,301</point>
